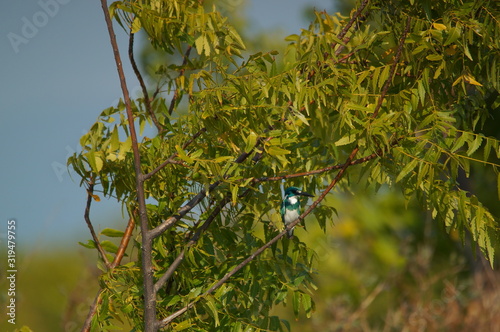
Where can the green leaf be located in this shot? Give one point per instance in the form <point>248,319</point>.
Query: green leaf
<point>91,244</point>
<point>434,57</point>
<point>200,44</point>
<point>183,155</point>
<point>250,141</point>
<point>222,159</point>
<point>112,232</point>
<point>210,304</point>
<point>185,324</point>
<point>109,246</point>
<point>293,38</point>
<point>301,117</point>
<point>345,140</point>
<point>460,142</point>
<point>125,147</point>
<point>475,144</point>
<point>136,25</point>
<point>439,26</point>
<point>234,194</point>
<point>407,169</point>
<point>277,151</point>
<point>307,304</point>
<point>274,323</point>
<point>296,303</point>
<point>453,35</point>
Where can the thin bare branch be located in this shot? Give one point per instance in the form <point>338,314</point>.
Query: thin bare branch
<point>170,221</point>
<point>353,19</point>
<point>90,197</point>
<point>124,242</point>
<point>147,101</point>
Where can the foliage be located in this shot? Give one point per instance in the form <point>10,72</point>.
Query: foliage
<point>405,87</point>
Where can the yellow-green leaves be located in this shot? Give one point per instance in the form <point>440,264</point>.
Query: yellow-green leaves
<point>466,78</point>
<point>278,153</point>
<point>183,155</point>
<point>250,142</point>
<point>136,25</point>
<point>169,23</point>
<point>439,26</point>
<point>345,140</point>
<point>95,160</point>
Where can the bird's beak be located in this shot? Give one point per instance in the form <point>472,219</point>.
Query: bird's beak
<point>305,194</point>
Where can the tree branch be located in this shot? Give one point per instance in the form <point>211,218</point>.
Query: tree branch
<point>90,196</point>
<point>124,243</point>
<point>170,221</point>
<point>348,26</point>
<point>147,101</point>
<point>150,323</point>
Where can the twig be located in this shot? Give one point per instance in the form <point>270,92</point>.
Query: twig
<point>348,26</point>
<point>90,196</point>
<point>124,242</point>
<point>147,101</point>
<point>170,221</point>
<point>317,171</point>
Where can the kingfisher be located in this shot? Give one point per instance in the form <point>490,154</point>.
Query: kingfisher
<point>290,207</point>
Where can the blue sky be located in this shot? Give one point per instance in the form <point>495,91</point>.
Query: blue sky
<point>57,74</point>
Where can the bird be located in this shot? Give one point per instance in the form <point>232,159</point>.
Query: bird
<point>290,207</point>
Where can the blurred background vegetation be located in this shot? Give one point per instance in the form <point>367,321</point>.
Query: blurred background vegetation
<point>382,265</point>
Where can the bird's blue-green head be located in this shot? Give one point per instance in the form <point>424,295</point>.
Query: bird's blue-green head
<point>294,191</point>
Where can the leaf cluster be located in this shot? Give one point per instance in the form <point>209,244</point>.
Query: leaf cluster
<point>410,98</point>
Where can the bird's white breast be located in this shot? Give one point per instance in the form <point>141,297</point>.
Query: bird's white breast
<point>290,215</point>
